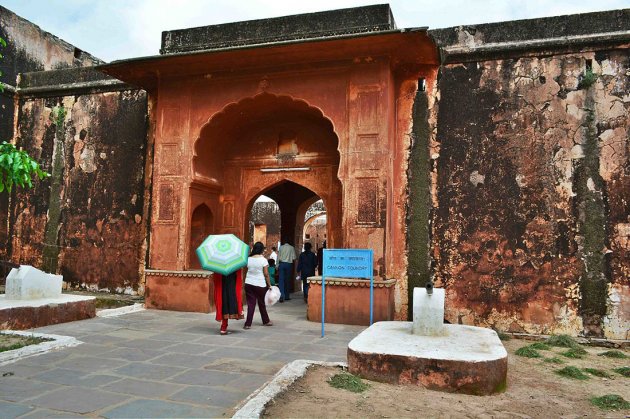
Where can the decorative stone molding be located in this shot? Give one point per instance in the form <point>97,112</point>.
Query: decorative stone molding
<point>353,282</point>
<point>178,274</point>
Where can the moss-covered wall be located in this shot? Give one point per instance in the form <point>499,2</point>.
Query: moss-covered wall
<point>531,231</point>
<point>29,48</point>
<point>86,221</point>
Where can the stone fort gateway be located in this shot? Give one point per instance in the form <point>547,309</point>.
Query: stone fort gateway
<point>492,158</point>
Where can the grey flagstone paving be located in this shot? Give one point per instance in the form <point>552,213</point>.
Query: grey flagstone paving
<point>163,364</point>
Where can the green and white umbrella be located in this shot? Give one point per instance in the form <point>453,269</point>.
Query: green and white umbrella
<point>222,253</point>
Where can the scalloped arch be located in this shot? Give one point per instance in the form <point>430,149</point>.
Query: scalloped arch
<point>249,103</point>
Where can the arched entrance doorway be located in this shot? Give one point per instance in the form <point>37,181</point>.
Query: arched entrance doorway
<point>293,200</point>
<point>315,229</point>
<point>272,145</point>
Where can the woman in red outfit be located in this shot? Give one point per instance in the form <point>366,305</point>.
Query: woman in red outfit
<point>228,291</point>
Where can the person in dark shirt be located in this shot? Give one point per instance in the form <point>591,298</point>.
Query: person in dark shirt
<point>306,267</point>
<point>320,259</point>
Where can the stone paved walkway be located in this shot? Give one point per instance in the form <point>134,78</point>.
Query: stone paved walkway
<point>163,364</point>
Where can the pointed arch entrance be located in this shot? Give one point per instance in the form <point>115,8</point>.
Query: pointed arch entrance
<point>272,145</point>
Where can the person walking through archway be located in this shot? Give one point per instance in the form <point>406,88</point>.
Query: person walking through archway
<point>306,267</point>
<point>286,257</point>
<point>256,285</point>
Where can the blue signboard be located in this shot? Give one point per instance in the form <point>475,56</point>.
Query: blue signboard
<point>347,263</point>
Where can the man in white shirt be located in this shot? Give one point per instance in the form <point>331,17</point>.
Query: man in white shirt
<point>274,255</point>
<point>286,256</point>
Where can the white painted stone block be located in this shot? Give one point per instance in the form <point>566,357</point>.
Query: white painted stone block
<point>428,312</point>
<point>28,283</point>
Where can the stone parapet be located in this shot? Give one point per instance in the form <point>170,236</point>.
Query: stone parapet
<point>179,290</point>
<point>348,300</point>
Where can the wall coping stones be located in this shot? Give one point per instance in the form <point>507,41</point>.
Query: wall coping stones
<point>352,282</point>
<point>67,81</point>
<point>365,19</point>
<point>180,274</point>
<point>549,36</point>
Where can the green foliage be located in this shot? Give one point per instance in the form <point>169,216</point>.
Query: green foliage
<point>348,382</point>
<point>597,373</point>
<point>554,360</point>
<point>587,79</point>
<point>503,336</point>
<point>541,346</point>
<point>614,354</point>
<point>610,402</point>
<point>528,352</point>
<point>572,372</point>
<point>17,168</point>
<point>564,341</point>
<point>625,371</point>
<point>575,353</point>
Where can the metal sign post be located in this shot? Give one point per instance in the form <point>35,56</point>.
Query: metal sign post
<point>347,263</point>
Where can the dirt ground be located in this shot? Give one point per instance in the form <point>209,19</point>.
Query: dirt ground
<point>534,390</point>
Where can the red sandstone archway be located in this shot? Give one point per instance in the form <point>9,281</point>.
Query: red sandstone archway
<point>261,143</point>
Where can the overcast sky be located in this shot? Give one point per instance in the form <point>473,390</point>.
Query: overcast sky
<point>117,29</point>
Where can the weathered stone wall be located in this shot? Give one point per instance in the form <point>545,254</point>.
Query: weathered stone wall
<point>267,213</point>
<point>531,198</point>
<point>29,48</point>
<point>87,221</point>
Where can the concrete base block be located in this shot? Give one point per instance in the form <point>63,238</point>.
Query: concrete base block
<point>28,283</point>
<point>467,359</point>
<point>27,314</point>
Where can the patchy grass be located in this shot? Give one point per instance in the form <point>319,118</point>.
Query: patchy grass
<point>503,335</point>
<point>541,346</point>
<point>563,341</point>
<point>348,382</point>
<point>597,373</point>
<point>554,360</point>
<point>625,371</point>
<point>574,353</point>
<point>9,342</point>
<point>528,352</point>
<point>614,354</point>
<point>572,372</point>
<point>610,402</point>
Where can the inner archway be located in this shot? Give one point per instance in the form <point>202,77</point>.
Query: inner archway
<point>292,200</point>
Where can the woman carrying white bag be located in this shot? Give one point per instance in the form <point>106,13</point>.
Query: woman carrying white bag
<point>272,296</point>
<point>256,285</point>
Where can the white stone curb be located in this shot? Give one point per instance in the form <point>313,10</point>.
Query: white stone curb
<point>113,312</point>
<point>254,405</point>
<point>34,350</point>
